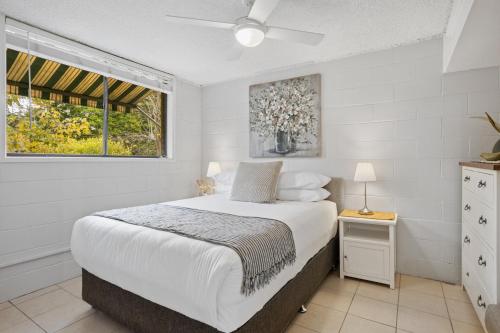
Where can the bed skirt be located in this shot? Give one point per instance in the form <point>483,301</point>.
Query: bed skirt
<point>144,316</point>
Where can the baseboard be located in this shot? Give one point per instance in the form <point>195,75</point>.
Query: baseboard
<point>20,279</point>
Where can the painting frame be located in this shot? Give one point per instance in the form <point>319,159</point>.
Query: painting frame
<point>285,118</point>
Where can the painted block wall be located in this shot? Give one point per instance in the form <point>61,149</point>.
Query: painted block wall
<point>396,109</point>
<point>40,201</point>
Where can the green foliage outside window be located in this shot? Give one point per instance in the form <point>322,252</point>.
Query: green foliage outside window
<point>62,128</point>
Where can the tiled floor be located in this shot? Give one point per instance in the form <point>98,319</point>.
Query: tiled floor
<point>346,306</point>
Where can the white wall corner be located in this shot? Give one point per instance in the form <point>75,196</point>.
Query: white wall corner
<point>471,40</point>
<point>459,13</point>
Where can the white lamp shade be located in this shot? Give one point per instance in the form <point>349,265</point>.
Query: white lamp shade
<point>213,169</point>
<point>364,173</point>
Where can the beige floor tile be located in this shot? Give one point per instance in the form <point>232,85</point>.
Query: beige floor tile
<point>63,316</point>
<point>34,294</point>
<point>46,302</point>
<point>353,324</point>
<point>422,322</point>
<point>73,286</point>
<point>321,319</point>
<point>423,302</point>
<point>371,309</point>
<point>334,282</point>
<point>11,317</point>
<point>378,291</point>
<point>456,292</point>
<point>26,326</point>
<point>424,286</point>
<point>459,327</point>
<point>333,299</point>
<point>397,280</point>
<point>96,322</point>
<point>298,329</point>
<point>463,312</point>
<point>5,305</point>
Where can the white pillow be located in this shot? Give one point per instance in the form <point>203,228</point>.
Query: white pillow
<point>224,181</point>
<point>303,180</point>
<point>225,177</point>
<point>303,195</point>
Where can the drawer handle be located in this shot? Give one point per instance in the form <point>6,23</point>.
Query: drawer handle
<point>482,220</point>
<point>480,302</point>
<point>466,179</point>
<point>467,273</point>
<point>467,207</point>
<point>481,261</point>
<point>481,184</point>
<point>467,239</point>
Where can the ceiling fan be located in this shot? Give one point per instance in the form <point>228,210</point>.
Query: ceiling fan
<point>251,30</point>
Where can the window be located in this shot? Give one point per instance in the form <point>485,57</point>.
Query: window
<point>79,113</point>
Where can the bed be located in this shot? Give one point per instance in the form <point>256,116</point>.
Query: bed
<point>156,281</point>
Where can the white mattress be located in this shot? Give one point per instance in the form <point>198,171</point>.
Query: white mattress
<point>196,278</point>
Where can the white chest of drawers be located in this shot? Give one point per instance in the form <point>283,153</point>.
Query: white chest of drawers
<point>480,234</point>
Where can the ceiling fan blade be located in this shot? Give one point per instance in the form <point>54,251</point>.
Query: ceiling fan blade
<point>296,36</point>
<point>199,22</point>
<point>261,9</point>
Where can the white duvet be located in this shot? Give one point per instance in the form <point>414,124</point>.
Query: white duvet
<point>196,278</point>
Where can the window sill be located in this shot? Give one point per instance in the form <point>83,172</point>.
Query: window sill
<point>83,159</point>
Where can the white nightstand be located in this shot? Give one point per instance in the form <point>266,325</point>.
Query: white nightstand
<point>367,248</point>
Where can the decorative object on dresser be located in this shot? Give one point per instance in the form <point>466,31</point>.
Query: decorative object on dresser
<point>285,118</point>
<point>367,246</point>
<point>480,216</point>
<point>496,147</point>
<point>365,173</point>
<point>206,185</point>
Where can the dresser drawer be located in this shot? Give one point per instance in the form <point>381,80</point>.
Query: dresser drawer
<point>478,296</point>
<point>480,183</point>
<point>480,217</point>
<point>479,259</point>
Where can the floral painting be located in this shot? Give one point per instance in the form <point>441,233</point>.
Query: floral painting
<point>285,118</point>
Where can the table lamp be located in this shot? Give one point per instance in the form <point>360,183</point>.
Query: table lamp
<point>365,173</point>
<point>213,169</point>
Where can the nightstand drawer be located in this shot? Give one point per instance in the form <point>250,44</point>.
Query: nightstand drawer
<point>371,260</point>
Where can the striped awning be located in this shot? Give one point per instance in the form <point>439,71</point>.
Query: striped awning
<point>62,83</point>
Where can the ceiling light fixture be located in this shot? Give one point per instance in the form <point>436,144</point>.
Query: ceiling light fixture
<point>249,33</point>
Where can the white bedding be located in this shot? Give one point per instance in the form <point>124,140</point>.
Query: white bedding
<point>196,278</point>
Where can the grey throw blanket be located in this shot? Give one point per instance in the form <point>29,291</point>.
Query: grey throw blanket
<point>265,246</point>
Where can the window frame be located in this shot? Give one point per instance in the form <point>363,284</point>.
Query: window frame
<point>167,100</point>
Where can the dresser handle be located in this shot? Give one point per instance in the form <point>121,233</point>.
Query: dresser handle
<point>467,273</point>
<point>467,207</point>
<point>480,302</point>
<point>481,261</point>
<point>482,220</point>
<point>467,239</point>
<point>466,179</point>
<point>481,184</point>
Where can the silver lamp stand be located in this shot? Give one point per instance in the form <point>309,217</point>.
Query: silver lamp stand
<point>365,210</point>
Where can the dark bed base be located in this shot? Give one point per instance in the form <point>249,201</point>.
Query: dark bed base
<point>143,316</point>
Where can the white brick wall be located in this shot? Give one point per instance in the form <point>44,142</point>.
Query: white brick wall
<point>40,201</point>
<point>396,109</point>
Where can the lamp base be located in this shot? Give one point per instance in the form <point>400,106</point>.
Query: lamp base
<point>365,211</point>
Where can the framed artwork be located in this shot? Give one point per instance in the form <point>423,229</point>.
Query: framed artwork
<point>285,118</point>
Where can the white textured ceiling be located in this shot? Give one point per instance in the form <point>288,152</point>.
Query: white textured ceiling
<point>135,29</point>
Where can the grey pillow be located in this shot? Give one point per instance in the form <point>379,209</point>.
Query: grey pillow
<point>256,182</point>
